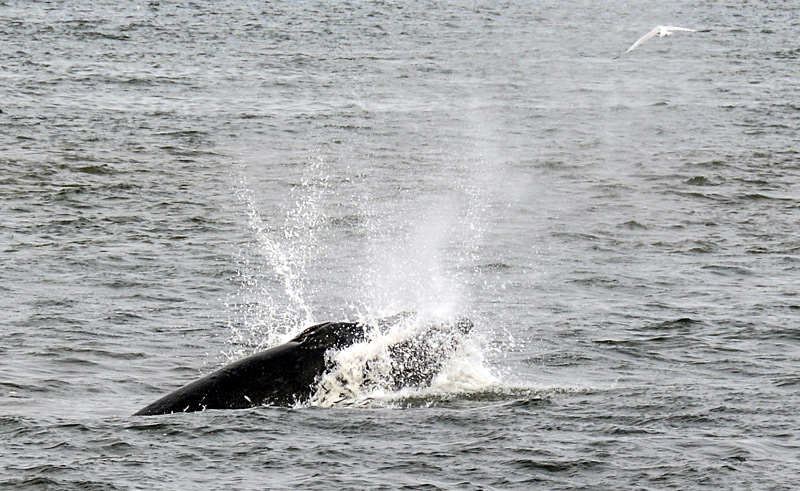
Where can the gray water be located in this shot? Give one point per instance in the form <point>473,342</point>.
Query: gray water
<point>187,182</point>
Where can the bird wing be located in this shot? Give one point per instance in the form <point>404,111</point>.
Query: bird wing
<point>674,28</point>
<point>643,39</point>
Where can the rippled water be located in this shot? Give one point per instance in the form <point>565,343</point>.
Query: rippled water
<point>184,183</point>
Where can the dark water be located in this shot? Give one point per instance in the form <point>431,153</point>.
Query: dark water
<point>183,182</point>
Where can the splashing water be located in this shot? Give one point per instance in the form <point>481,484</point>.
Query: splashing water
<point>408,269</point>
<point>415,357</point>
<point>272,305</point>
<point>411,265</point>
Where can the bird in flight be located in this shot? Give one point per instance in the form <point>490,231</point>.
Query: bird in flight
<point>659,31</point>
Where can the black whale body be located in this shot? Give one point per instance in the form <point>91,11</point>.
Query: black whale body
<point>279,376</point>
<point>288,373</point>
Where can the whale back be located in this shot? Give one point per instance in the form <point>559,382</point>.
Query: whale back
<point>331,335</point>
<point>281,376</point>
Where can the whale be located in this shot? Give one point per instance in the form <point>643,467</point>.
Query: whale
<point>289,374</point>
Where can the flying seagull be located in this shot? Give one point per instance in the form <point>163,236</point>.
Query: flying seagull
<point>659,31</point>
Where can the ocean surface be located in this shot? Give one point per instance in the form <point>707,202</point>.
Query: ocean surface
<point>184,183</point>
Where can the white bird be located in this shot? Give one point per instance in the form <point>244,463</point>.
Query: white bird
<point>659,31</point>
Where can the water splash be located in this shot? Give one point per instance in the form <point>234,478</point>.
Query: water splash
<point>416,260</point>
<point>414,357</point>
<point>272,302</point>
<point>409,271</point>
